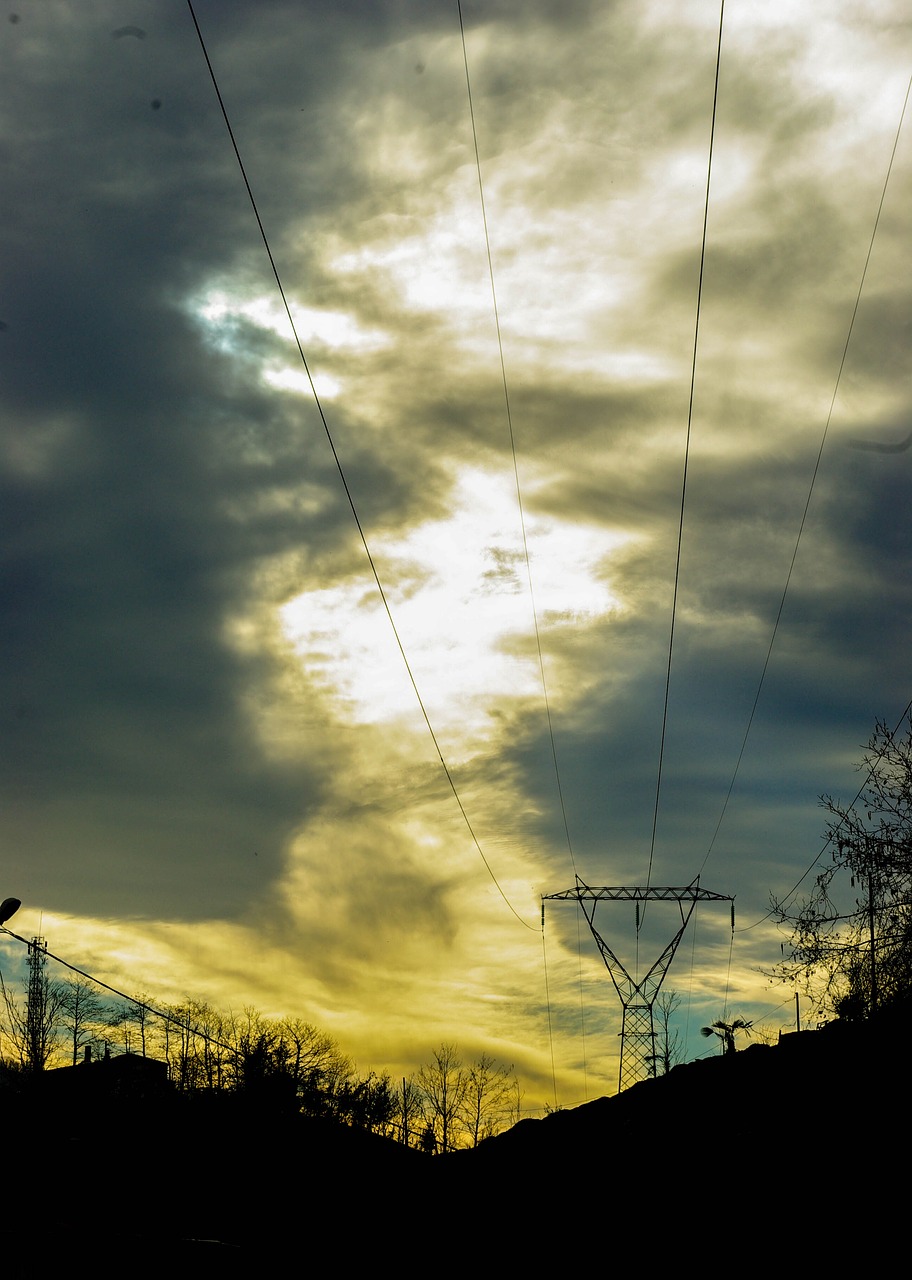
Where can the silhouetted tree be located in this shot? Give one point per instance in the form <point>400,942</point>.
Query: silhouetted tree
<point>852,956</point>
<point>380,1110</point>
<point>317,1064</point>
<point>409,1114</point>
<point>669,1050</point>
<point>367,1104</point>
<point>135,1015</point>
<point>488,1090</point>
<point>33,1024</point>
<point>261,1068</point>
<point>82,1010</point>
<point>200,1046</point>
<point>513,1111</point>
<point>443,1082</point>
<point>726,1031</point>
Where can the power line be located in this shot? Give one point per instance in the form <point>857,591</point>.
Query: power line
<point>690,405</point>
<point>548,1005</point>
<point>506,392</point>
<point>339,468</point>
<point>832,836</point>
<point>141,1004</point>
<point>525,543</point>
<point>842,361</point>
<point>804,515</point>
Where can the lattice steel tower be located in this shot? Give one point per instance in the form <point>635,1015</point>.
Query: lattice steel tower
<point>37,1028</point>
<point>637,997</point>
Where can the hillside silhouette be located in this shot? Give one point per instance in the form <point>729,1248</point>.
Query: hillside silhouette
<point>803,1140</point>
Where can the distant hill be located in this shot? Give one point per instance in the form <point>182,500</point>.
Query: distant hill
<point>801,1142</point>
<point>801,1146</point>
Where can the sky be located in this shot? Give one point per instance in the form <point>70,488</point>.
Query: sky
<point>218,781</point>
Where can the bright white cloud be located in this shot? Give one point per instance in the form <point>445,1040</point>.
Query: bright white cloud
<point>332,328</point>
<point>324,384</point>
<point>458,591</point>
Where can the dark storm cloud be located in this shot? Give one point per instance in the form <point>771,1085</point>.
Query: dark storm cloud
<point>784,260</point>
<point>152,495</point>
<point>124,567</point>
<point>837,662</point>
<point>168,754</point>
<point>148,494</point>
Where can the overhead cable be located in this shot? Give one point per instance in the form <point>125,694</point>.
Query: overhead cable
<point>690,406</point>
<point>506,393</point>
<point>339,468</point>
<point>833,834</point>
<point>804,515</point>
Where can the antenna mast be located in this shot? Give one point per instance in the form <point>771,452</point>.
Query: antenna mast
<point>36,1011</point>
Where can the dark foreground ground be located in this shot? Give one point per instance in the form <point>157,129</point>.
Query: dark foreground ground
<point>788,1156</point>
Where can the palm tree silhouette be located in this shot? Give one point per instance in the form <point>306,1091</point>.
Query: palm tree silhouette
<point>726,1031</point>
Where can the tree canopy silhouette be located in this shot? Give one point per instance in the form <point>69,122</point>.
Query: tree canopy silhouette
<point>851,939</point>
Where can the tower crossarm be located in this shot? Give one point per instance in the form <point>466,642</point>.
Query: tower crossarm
<point>629,990</point>
<point>637,998</point>
<point>637,893</point>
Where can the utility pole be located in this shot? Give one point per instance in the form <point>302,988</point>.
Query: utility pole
<point>637,997</point>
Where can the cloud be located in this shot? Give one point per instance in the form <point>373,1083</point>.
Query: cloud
<point>209,724</point>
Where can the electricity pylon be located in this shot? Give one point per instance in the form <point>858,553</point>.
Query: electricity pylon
<point>637,997</point>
